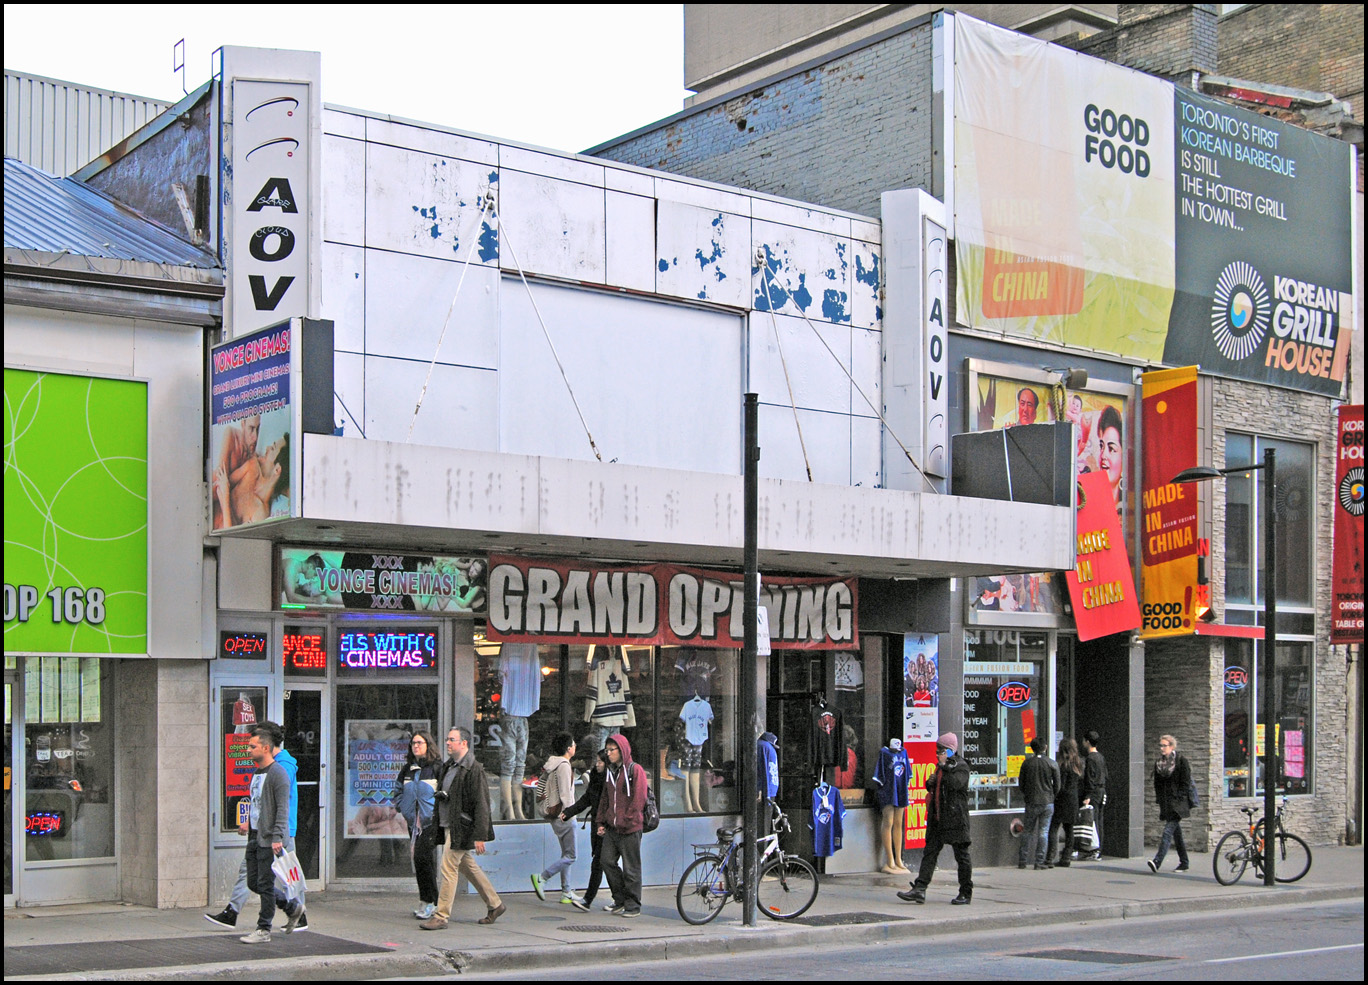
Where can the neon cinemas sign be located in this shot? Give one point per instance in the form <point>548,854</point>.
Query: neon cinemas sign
<point>370,650</point>
<point>304,651</point>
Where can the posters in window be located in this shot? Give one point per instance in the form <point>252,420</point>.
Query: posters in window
<point>376,749</point>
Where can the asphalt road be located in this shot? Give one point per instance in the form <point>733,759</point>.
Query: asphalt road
<point>1316,942</point>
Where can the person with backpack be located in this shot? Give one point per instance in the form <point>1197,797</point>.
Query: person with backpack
<point>555,792</point>
<point>621,819</point>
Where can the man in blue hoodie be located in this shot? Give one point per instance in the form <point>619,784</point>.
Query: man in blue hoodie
<point>227,918</point>
<point>620,818</point>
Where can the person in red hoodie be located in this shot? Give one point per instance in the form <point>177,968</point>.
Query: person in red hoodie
<point>619,820</point>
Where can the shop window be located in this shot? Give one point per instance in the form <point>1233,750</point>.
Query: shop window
<point>696,731</point>
<point>69,758</point>
<point>1004,674</point>
<point>1244,736</point>
<point>240,709</point>
<point>1244,525</point>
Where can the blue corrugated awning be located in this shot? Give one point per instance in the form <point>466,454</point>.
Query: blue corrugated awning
<point>62,215</point>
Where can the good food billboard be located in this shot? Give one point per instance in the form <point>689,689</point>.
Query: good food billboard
<point>1102,208</point>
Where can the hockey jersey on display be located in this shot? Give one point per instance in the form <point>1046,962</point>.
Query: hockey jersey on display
<point>610,693</point>
<point>891,777</point>
<point>828,815</point>
<point>828,737</point>
<point>768,761</point>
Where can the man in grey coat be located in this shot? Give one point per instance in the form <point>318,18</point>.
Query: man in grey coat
<point>1039,784</point>
<point>463,813</point>
<point>267,828</point>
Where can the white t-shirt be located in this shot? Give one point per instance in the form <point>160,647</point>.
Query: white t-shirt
<point>697,715</point>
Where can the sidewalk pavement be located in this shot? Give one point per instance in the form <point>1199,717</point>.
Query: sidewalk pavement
<point>374,935</point>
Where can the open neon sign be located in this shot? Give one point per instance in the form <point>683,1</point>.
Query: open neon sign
<point>387,650</point>
<point>45,824</point>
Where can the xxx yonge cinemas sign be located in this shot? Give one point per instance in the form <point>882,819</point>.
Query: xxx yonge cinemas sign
<point>555,601</point>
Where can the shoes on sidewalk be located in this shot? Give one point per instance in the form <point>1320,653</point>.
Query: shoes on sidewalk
<point>227,919</point>
<point>913,895</point>
<point>303,924</point>
<point>579,904</point>
<point>1182,867</point>
<point>537,886</point>
<point>1153,866</point>
<point>292,919</point>
<point>963,899</point>
<point>257,936</point>
<point>425,912</point>
<point>1042,867</point>
<point>493,914</point>
<point>434,923</point>
<point>628,914</point>
<point>615,908</point>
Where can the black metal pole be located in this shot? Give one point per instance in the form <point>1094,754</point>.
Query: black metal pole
<point>749,658</point>
<point>1269,677</point>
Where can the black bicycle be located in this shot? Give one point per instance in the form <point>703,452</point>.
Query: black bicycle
<point>1237,850</point>
<point>787,886</point>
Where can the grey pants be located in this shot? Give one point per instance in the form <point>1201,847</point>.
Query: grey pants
<point>238,899</point>
<point>565,834</point>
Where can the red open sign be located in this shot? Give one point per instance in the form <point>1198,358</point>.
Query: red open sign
<point>1014,694</point>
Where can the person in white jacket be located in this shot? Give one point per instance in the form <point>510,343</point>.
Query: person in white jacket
<point>556,795</point>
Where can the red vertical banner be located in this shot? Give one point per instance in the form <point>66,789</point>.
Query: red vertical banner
<point>1346,623</point>
<point>1101,585</point>
<point>1168,544</point>
<point>922,756</point>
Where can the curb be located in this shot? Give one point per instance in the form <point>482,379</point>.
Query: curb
<point>423,962</point>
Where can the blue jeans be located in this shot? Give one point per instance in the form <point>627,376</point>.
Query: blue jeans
<point>1173,834</point>
<point>1035,839</point>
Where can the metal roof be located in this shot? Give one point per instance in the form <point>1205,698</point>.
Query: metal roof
<point>62,215</point>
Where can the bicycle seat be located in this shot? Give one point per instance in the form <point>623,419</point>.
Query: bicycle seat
<point>1251,811</point>
<point>727,834</point>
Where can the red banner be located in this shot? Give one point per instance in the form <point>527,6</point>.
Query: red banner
<point>561,601</point>
<point>1101,586</point>
<point>1346,623</point>
<point>922,756</point>
<point>1168,547</point>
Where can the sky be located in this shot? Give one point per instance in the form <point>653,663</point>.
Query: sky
<point>559,76</point>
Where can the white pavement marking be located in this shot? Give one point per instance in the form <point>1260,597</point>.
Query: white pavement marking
<point>1284,954</point>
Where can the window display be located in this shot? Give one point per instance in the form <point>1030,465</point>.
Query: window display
<point>1244,735</point>
<point>1003,678</point>
<point>240,710</point>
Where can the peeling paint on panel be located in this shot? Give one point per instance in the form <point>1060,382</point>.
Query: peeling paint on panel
<point>833,306</point>
<point>664,265</point>
<point>489,243</point>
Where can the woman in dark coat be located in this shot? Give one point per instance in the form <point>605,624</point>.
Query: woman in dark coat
<point>592,794</point>
<point>1172,782</point>
<point>1066,802</point>
<point>415,788</point>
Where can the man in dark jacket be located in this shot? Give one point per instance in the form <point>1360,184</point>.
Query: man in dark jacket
<point>1093,790</point>
<point>463,813</point>
<point>947,822</point>
<point>620,818</point>
<point>1039,783</point>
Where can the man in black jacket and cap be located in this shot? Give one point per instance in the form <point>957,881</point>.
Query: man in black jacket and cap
<point>947,822</point>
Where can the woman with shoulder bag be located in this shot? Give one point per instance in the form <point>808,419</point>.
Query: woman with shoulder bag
<point>415,789</point>
<point>556,793</point>
<point>1172,783</point>
<point>1066,802</point>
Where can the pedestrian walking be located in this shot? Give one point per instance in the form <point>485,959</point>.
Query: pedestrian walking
<point>1172,783</point>
<point>1066,803</point>
<point>416,795</point>
<point>947,822</point>
<point>620,818</point>
<point>267,829</point>
<point>1039,784</point>
<point>555,793</point>
<point>463,812</point>
<point>1093,790</point>
<point>589,801</point>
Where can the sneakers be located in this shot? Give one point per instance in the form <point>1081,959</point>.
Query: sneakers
<point>227,919</point>
<point>913,895</point>
<point>493,914</point>
<point>610,907</point>
<point>292,919</point>
<point>303,924</point>
<point>569,898</point>
<point>628,914</point>
<point>578,903</point>
<point>616,909</point>
<point>257,936</point>
<point>1153,866</point>
<point>1182,867</point>
<point>433,923</point>
<point>425,912</point>
<point>537,886</point>
<point>963,899</point>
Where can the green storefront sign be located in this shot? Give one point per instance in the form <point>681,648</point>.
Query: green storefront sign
<point>75,514</point>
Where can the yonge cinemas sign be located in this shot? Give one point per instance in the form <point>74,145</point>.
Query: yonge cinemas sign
<point>660,604</point>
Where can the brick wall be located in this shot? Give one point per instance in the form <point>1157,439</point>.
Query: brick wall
<point>787,137</point>
<point>1184,679</point>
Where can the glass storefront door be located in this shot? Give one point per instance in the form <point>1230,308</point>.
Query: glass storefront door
<point>306,740</point>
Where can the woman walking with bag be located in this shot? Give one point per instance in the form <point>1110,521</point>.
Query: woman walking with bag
<point>1066,802</point>
<point>415,790</point>
<point>589,801</point>
<point>1172,783</point>
<point>554,795</point>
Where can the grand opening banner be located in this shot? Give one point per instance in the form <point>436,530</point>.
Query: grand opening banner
<point>558,601</point>
<point>1102,208</point>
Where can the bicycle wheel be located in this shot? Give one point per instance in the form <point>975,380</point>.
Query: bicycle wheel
<point>1293,859</point>
<point>788,886</point>
<point>1230,858</point>
<point>702,890</point>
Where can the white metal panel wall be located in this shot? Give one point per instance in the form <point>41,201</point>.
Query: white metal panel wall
<point>60,126</point>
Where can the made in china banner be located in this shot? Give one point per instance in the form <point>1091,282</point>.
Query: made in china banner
<point>1346,623</point>
<point>1169,543</point>
<point>560,601</point>
<point>1101,586</point>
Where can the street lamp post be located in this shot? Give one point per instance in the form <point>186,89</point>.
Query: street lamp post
<point>1266,679</point>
